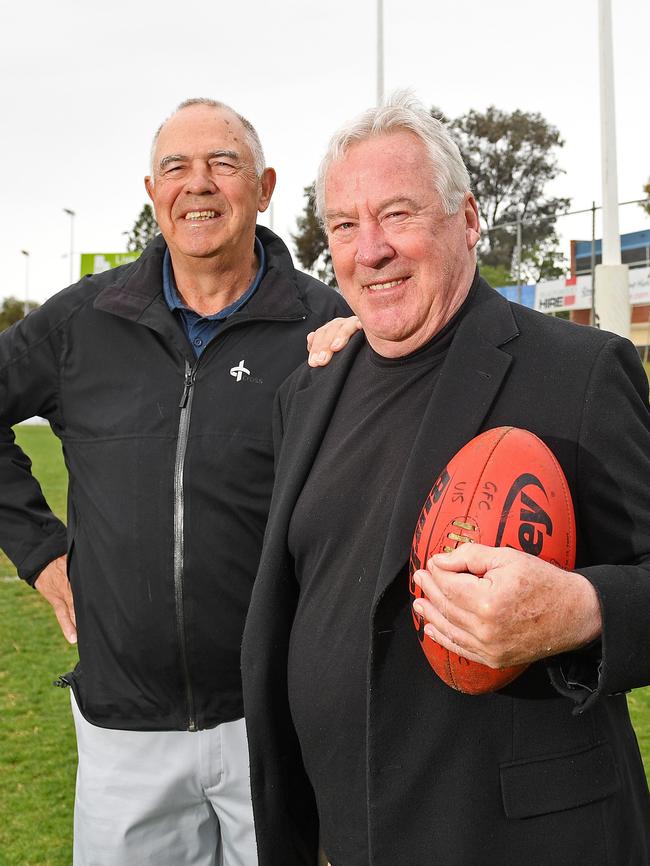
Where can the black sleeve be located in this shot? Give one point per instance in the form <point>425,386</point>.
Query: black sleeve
<point>30,534</point>
<point>612,503</point>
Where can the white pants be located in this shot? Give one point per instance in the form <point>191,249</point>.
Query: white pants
<point>169,798</point>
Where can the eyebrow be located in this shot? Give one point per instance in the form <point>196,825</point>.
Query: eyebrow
<point>397,199</point>
<point>232,154</point>
<point>181,157</point>
<point>335,214</point>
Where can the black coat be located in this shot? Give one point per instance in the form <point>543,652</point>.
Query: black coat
<point>170,464</point>
<point>547,771</point>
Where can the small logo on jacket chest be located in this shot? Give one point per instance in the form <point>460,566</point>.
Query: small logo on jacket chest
<point>242,374</point>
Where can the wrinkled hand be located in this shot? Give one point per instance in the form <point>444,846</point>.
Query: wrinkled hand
<point>53,585</point>
<point>502,607</point>
<point>330,338</point>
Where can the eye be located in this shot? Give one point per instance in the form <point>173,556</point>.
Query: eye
<point>341,227</point>
<point>395,215</point>
<point>222,166</point>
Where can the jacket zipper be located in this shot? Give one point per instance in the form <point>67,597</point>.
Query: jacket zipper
<point>185,406</point>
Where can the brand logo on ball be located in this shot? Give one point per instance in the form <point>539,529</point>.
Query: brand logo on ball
<point>432,499</point>
<point>533,524</point>
<point>504,488</point>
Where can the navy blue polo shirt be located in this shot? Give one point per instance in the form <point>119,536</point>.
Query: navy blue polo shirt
<point>201,329</point>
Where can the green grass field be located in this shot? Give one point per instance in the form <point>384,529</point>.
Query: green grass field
<point>38,752</point>
<point>38,756</point>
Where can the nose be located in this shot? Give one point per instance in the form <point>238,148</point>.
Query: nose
<point>373,248</point>
<point>200,180</point>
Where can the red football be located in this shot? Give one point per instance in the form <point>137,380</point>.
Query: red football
<point>504,489</point>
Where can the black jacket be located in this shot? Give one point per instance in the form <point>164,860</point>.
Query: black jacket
<point>170,466</point>
<point>547,771</point>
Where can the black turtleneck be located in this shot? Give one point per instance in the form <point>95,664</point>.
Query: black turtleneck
<point>336,537</point>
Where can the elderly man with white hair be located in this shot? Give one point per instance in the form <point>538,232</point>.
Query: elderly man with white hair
<point>159,379</point>
<point>355,744</point>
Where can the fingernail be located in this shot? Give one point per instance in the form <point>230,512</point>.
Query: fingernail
<point>418,607</point>
<point>322,356</point>
<point>312,359</point>
<point>336,344</point>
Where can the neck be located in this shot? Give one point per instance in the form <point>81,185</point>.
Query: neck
<point>208,286</point>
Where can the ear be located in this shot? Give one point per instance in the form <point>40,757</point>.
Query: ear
<point>267,185</point>
<point>148,185</point>
<point>472,222</point>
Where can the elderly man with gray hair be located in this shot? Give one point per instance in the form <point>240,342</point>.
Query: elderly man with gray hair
<point>159,379</point>
<point>355,744</point>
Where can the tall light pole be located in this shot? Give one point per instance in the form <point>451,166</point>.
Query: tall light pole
<point>612,301</point>
<point>71,214</point>
<point>380,51</point>
<point>26,300</point>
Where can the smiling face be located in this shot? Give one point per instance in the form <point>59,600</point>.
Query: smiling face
<point>204,188</point>
<point>403,265</point>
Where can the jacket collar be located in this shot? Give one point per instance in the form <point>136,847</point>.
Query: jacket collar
<point>134,291</point>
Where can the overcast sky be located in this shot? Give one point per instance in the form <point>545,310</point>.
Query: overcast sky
<point>85,84</point>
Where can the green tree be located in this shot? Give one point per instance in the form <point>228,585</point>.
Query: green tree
<point>12,310</point>
<point>497,275</point>
<point>646,204</point>
<point>511,157</point>
<point>543,261</point>
<point>310,241</point>
<point>144,230</point>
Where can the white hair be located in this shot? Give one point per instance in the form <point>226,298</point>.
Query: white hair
<point>252,138</point>
<point>402,111</point>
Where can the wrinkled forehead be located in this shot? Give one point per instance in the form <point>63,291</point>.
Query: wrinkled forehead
<point>387,166</point>
<point>198,129</point>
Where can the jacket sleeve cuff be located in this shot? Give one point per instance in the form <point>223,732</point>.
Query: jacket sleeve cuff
<point>620,659</point>
<point>54,546</point>
<point>578,675</point>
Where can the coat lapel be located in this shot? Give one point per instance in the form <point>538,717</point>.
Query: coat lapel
<point>312,407</point>
<point>469,382</point>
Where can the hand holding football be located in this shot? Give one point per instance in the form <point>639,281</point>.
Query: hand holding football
<point>520,610</point>
<point>504,490</point>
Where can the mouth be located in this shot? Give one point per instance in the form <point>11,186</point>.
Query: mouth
<point>200,215</point>
<point>383,286</point>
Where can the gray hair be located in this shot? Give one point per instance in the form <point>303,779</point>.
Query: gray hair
<point>252,138</point>
<point>402,112</point>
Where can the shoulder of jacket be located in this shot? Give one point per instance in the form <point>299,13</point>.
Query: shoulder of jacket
<point>318,296</point>
<point>561,331</point>
<point>305,377</point>
<point>58,311</point>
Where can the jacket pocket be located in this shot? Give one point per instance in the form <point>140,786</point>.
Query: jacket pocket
<point>559,782</point>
